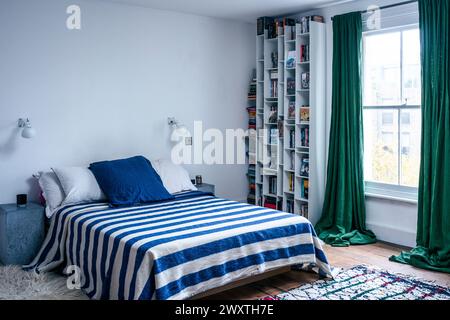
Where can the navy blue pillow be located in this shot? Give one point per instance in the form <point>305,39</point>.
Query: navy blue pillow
<point>129,181</point>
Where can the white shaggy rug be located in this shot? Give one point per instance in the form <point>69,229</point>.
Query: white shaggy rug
<point>16,284</point>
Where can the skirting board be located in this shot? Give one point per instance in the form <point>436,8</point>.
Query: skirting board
<point>393,235</point>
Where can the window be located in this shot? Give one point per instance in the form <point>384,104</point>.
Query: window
<point>392,118</point>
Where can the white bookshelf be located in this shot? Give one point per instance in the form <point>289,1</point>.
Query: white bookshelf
<point>283,160</point>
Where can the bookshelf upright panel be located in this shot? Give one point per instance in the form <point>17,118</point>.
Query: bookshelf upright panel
<point>259,117</point>
<point>291,110</point>
<point>317,168</point>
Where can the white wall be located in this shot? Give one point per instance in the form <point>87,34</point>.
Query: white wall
<point>392,221</point>
<point>106,91</point>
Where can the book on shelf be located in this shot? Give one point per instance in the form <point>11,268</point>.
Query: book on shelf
<point>252,89</point>
<point>285,22</point>
<point>304,53</point>
<point>280,129</point>
<point>251,117</point>
<point>304,24</point>
<point>317,18</point>
<point>292,138</point>
<point>291,110</point>
<point>274,88</point>
<point>291,59</point>
<point>292,33</point>
<point>290,86</point>
<point>262,24</point>
<point>270,203</point>
<point>304,167</point>
<point>289,205</point>
<point>273,115</point>
<point>291,182</point>
<point>304,188</point>
<point>274,59</point>
<point>273,184</point>
<point>305,80</point>
<point>304,114</point>
<point>272,30</point>
<point>292,160</point>
<point>274,27</point>
<point>304,210</point>
<point>280,204</point>
<point>273,136</point>
<point>304,137</point>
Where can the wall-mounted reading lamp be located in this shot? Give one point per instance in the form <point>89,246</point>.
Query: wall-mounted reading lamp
<point>179,130</point>
<point>28,131</point>
<point>174,123</point>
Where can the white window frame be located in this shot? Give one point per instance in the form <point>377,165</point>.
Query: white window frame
<point>386,190</point>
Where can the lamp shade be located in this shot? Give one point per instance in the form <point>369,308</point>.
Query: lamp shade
<point>28,132</point>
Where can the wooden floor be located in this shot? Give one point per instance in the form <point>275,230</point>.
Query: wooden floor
<point>374,254</point>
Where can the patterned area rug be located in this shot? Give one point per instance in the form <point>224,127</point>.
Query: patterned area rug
<point>366,283</point>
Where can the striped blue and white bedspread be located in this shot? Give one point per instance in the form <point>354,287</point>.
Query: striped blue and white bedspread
<point>174,249</point>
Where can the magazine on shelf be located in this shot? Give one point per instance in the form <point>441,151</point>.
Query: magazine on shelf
<point>291,59</point>
<point>290,86</point>
<point>304,114</point>
<point>304,167</point>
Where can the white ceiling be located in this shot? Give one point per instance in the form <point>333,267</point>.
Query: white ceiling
<point>243,10</point>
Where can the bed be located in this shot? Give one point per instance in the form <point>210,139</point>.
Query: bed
<point>175,249</point>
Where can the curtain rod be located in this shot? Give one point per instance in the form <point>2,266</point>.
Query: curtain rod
<point>392,5</point>
<point>389,6</point>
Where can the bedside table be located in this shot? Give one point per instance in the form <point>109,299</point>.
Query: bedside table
<point>21,233</point>
<point>206,187</point>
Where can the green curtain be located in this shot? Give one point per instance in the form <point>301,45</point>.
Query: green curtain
<point>343,220</point>
<point>433,225</point>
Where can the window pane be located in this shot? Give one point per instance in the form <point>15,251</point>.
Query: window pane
<point>382,69</point>
<point>410,147</point>
<point>381,146</point>
<point>411,67</point>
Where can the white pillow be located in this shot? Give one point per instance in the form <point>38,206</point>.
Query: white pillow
<point>174,177</point>
<point>52,191</point>
<point>79,185</point>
